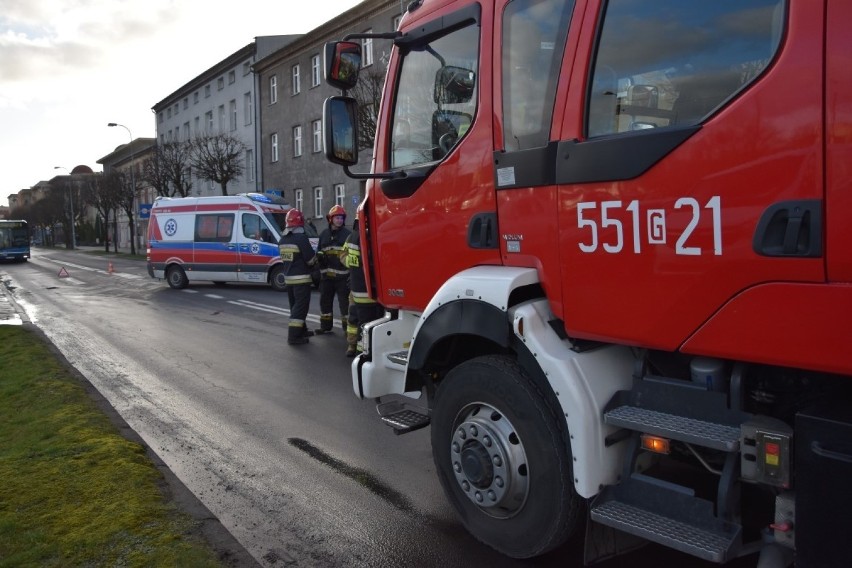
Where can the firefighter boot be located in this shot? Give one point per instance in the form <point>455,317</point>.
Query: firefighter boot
<point>326,323</point>
<point>351,340</point>
<point>296,335</point>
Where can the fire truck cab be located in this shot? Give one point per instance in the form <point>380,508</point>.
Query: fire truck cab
<point>614,241</point>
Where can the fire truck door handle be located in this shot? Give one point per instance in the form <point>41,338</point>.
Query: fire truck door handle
<point>790,229</point>
<point>482,231</point>
<point>232,246</point>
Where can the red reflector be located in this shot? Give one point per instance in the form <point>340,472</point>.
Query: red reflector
<point>773,448</point>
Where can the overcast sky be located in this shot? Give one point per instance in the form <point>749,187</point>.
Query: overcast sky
<point>68,67</point>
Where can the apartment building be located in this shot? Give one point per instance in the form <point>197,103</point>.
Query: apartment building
<point>222,99</point>
<point>292,90</point>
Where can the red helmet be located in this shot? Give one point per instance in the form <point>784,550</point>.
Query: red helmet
<point>294,219</point>
<point>334,211</point>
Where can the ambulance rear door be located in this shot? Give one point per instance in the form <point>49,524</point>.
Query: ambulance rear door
<point>215,249</point>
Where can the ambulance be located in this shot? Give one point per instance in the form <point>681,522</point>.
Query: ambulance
<point>230,238</point>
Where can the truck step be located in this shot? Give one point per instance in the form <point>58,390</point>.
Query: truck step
<point>698,432</point>
<point>398,358</point>
<point>403,415</point>
<point>673,518</point>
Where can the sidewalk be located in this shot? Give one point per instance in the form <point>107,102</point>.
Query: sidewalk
<point>10,313</point>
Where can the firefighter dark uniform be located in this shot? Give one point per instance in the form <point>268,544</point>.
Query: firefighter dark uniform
<point>334,276</point>
<point>298,257</point>
<point>363,308</point>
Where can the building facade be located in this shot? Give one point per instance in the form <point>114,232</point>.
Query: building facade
<point>128,159</point>
<point>220,100</point>
<point>292,90</point>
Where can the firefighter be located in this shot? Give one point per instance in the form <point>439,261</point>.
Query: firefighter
<point>362,308</point>
<point>334,276</point>
<point>298,257</point>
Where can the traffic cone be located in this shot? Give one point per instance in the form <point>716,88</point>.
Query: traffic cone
<point>110,269</point>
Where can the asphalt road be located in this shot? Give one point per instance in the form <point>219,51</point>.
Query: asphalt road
<point>269,437</point>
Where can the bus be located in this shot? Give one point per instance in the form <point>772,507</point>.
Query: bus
<point>14,240</point>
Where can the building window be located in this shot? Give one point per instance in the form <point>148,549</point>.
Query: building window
<point>249,165</point>
<point>197,125</point>
<point>232,77</point>
<point>160,117</point>
<point>220,83</point>
<point>209,120</point>
<point>232,106</point>
<point>176,109</point>
<point>340,194</point>
<point>297,82</point>
<point>318,202</point>
<point>297,141</point>
<point>368,49</point>
<point>316,129</point>
<point>299,199</point>
<point>246,68</point>
<point>274,142</point>
<point>169,112</point>
<point>207,91</point>
<point>247,108</point>
<point>195,98</point>
<point>315,71</point>
<point>185,131</point>
<point>185,103</point>
<point>396,20</point>
<point>273,89</point>
<point>222,118</point>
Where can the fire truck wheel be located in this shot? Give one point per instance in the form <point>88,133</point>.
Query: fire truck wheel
<point>176,277</point>
<point>503,457</point>
<point>276,279</point>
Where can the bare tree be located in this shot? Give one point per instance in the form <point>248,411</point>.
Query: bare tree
<point>168,169</point>
<point>100,193</point>
<point>72,206</point>
<point>53,209</point>
<point>125,195</point>
<point>217,158</point>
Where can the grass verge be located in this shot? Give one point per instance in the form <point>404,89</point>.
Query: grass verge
<point>73,490</point>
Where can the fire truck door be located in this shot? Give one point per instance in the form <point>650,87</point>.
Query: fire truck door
<point>437,131</point>
<point>534,48</point>
<point>694,172</point>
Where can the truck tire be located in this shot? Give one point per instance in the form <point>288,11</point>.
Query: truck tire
<point>503,458</point>
<point>176,277</point>
<point>276,279</point>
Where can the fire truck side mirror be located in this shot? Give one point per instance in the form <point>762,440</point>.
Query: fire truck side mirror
<point>342,62</point>
<point>454,85</point>
<point>340,135</point>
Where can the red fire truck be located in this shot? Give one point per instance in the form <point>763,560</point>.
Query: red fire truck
<point>614,241</point>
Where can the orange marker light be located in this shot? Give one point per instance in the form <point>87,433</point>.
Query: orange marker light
<point>655,444</point>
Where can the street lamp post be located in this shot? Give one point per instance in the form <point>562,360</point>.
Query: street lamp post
<point>71,200</point>
<point>132,180</point>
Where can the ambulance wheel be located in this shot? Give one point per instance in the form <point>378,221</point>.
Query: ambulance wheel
<point>276,279</point>
<point>176,277</point>
<point>503,457</point>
